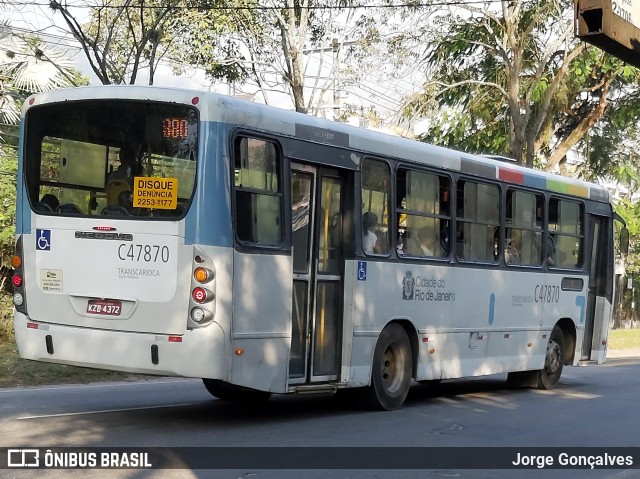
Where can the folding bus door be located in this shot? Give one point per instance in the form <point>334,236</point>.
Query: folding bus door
<point>600,290</point>
<point>317,210</point>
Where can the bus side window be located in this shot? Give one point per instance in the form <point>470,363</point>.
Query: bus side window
<point>258,196</point>
<point>478,222</point>
<point>523,232</point>
<point>566,233</point>
<point>376,179</point>
<point>244,229</point>
<point>423,213</point>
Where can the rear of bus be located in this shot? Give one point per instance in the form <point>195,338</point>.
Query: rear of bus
<point>103,277</point>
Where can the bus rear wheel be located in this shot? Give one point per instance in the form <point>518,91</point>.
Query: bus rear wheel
<point>554,360</point>
<point>230,392</point>
<point>549,376</point>
<point>391,369</point>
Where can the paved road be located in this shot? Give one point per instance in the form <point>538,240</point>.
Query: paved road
<point>594,406</point>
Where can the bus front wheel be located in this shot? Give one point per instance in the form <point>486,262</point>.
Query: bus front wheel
<point>231,392</point>
<point>391,369</point>
<point>554,360</point>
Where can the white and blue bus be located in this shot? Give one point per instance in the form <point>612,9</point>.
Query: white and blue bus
<point>181,233</point>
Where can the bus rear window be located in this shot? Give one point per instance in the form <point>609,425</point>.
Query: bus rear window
<point>111,158</point>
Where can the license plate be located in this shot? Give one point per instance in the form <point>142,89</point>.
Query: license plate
<point>108,307</point>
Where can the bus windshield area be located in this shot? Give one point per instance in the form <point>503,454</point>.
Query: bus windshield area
<point>111,158</point>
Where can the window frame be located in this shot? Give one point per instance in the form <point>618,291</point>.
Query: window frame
<point>397,211</point>
<point>543,226</point>
<point>580,265</point>
<point>460,221</point>
<point>281,194</point>
<point>390,195</point>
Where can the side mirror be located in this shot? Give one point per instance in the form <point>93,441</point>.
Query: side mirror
<point>624,241</point>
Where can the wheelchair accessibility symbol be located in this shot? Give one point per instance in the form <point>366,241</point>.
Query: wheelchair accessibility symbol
<point>362,270</point>
<point>43,240</point>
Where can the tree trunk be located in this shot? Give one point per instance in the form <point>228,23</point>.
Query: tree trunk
<point>582,128</point>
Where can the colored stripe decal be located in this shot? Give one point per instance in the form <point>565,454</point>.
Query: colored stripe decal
<point>478,169</point>
<point>579,190</point>
<point>535,181</point>
<point>510,175</point>
<point>557,186</point>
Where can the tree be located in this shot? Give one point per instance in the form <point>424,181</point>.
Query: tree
<point>122,37</point>
<point>515,82</point>
<point>27,65</point>
<point>274,44</point>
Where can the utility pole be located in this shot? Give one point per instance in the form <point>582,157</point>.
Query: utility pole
<point>335,72</point>
<point>335,68</point>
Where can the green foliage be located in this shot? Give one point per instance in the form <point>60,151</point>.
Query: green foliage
<point>208,37</point>
<point>512,93</point>
<point>613,149</point>
<point>6,317</point>
<point>8,169</point>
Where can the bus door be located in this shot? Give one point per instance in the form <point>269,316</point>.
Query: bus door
<point>600,290</point>
<point>317,211</point>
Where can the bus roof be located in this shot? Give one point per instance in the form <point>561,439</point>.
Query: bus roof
<point>226,109</point>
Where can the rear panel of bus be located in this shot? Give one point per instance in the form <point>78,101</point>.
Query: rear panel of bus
<point>106,278</point>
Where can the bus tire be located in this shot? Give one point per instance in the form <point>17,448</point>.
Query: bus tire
<point>230,392</point>
<point>391,369</point>
<point>554,360</point>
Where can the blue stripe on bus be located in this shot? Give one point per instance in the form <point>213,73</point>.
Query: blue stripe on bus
<point>23,211</point>
<point>535,181</point>
<point>209,219</point>
<point>580,302</point>
<point>492,307</point>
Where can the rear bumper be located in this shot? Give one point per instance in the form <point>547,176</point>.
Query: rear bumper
<point>199,353</point>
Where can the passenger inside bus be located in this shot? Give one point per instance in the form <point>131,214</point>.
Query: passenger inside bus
<point>130,165</point>
<point>369,238</point>
<point>427,239</point>
<point>121,179</point>
<point>47,203</point>
<point>512,254</point>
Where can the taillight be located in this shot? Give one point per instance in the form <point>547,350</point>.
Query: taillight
<point>202,275</point>
<point>16,261</point>
<point>199,295</point>
<point>17,280</point>
<point>203,299</point>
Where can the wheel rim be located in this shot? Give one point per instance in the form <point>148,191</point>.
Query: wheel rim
<point>553,359</point>
<point>392,368</point>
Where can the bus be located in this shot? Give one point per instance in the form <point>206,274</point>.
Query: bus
<point>183,233</point>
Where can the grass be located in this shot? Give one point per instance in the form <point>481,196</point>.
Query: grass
<point>624,339</point>
<point>16,372</point>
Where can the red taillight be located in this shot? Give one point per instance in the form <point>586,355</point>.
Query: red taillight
<point>199,295</point>
<point>16,280</point>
